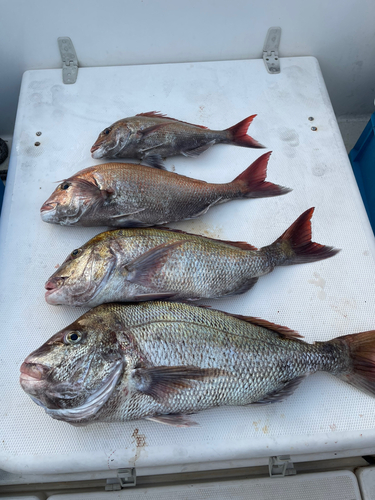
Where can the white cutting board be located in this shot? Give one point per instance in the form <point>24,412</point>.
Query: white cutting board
<point>321,300</point>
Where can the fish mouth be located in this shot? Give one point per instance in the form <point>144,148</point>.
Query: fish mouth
<point>48,206</point>
<point>32,377</point>
<point>52,286</point>
<point>97,151</point>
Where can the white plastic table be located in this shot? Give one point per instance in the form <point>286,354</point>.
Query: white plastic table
<point>321,300</point>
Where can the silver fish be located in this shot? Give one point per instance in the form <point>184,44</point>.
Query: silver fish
<point>128,195</point>
<point>148,264</point>
<point>164,360</point>
<point>153,136</point>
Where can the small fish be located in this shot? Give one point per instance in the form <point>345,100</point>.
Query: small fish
<point>128,195</point>
<point>152,136</point>
<point>164,360</point>
<point>147,264</point>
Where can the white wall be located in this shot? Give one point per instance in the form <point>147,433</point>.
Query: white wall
<point>339,33</point>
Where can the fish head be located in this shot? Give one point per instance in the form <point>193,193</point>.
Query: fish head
<point>112,140</point>
<point>77,370</point>
<point>84,273</point>
<point>71,199</point>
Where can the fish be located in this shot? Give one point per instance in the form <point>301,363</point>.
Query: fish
<point>163,361</point>
<point>152,137</point>
<point>147,264</point>
<point>128,195</point>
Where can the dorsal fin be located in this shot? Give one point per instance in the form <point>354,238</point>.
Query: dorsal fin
<point>283,331</point>
<point>157,114</point>
<point>238,244</point>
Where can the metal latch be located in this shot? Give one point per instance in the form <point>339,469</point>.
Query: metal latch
<point>281,466</point>
<point>69,59</point>
<point>271,50</point>
<point>124,479</point>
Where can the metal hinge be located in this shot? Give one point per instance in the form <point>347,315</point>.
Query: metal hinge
<point>281,466</point>
<point>271,50</point>
<point>69,59</point>
<point>124,479</point>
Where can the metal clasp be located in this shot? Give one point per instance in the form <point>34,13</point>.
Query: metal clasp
<point>69,59</point>
<point>124,479</point>
<point>281,466</point>
<point>271,50</point>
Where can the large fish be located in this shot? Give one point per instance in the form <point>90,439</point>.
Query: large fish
<point>164,360</point>
<point>144,264</point>
<point>128,195</point>
<point>151,137</point>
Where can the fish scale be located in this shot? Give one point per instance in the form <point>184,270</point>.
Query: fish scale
<point>130,195</point>
<point>140,264</point>
<point>163,360</point>
<point>151,137</point>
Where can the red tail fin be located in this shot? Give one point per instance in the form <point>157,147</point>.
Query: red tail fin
<point>252,181</point>
<point>295,245</point>
<point>238,134</point>
<point>362,360</point>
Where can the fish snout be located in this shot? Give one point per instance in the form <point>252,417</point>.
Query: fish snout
<point>52,285</point>
<point>95,147</point>
<point>33,371</point>
<point>48,206</point>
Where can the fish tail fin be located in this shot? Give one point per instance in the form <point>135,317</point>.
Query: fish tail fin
<point>237,134</point>
<point>295,246</point>
<point>360,370</point>
<point>252,183</point>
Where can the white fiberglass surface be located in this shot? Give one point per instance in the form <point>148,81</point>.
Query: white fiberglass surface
<point>321,300</point>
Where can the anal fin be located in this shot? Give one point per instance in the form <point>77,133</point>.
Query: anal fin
<point>281,392</point>
<point>244,288</point>
<point>193,153</point>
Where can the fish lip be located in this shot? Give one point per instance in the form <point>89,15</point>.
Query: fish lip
<point>97,152</point>
<point>54,284</point>
<point>94,147</point>
<point>48,206</point>
<point>34,372</point>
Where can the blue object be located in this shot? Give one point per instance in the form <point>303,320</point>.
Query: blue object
<point>362,158</point>
<point>2,188</point>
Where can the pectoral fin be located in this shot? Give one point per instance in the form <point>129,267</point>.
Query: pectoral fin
<point>161,381</point>
<point>147,131</point>
<point>127,214</point>
<point>143,268</point>
<point>174,419</point>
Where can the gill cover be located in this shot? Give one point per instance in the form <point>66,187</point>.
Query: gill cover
<point>93,403</point>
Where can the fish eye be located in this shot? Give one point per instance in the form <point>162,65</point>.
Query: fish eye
<point>65,186</point>
<point>73,337</point>
<point>106,131</point>
<point>76,252</point>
